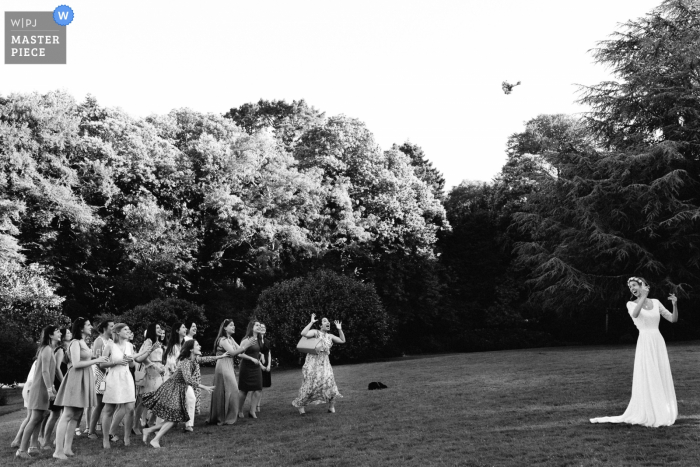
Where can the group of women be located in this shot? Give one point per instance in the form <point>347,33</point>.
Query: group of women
<point>150,391</point>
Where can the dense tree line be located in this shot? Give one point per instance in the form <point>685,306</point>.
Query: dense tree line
<point>105,214</point>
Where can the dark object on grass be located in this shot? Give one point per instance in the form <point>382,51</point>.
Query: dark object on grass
<point>376,385</point>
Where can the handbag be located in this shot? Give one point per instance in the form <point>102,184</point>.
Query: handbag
<point>309,344</point>
<point>140,375</point>
<point>101,383</point>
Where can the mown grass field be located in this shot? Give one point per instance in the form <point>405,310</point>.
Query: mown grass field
<point>509,408</point>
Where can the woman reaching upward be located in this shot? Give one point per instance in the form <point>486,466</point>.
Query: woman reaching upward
<point>318,386</point>
<point>653,401</point>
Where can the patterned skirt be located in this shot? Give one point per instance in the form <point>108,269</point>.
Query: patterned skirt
<point>169,401</point>
<point>318,386</point>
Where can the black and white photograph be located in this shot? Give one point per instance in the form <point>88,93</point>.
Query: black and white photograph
<point>368,233</point>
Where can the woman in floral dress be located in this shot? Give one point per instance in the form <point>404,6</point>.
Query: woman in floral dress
<point>154,373</point>
<point>173,399</point>
<point>318,386</point>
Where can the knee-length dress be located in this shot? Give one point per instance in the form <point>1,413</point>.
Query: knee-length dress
<point>78,386</point>
<point>153,378</point>
<point>120,387</point>
<point>250,376</point>
<point>265,350</point>
<point>653,401</point>
<point>318,385</point>
<point>38,398</point>
<point>169,401</point>
<point>224,399</point>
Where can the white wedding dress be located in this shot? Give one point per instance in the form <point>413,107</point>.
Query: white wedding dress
<point>653,401</point>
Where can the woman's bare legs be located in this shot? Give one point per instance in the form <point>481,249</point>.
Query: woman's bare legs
<point>162,429</point>
<point>18,438</point>
<point>96,414</point>
<point>65,431</point>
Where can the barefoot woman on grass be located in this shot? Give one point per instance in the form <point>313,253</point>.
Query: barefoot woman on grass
<point>77,390</point>
<point>318,386</point>
<point>224,401</point>
<point>42,390</point>
<point>653,401</point>
<point>174,401</point>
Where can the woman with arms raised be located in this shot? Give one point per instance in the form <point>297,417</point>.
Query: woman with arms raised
<point>653,401</point>
<point>318,385</point>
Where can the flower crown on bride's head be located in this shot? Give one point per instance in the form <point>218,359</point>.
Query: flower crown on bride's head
<point>638,280</point>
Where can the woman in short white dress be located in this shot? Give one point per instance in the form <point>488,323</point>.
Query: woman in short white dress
<point>119,383</point>
<point>653,401</point>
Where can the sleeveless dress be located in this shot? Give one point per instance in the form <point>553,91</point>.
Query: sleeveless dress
<point>78,386</point>
<point>265,350</point>
<point>153,378</point>
<point>120,384</point>
<point>653,401</point>
<point>250,376</point>
<point>318,386</point>
<point>224,399</point>
<point>38,395</point>
<point>169,401</point>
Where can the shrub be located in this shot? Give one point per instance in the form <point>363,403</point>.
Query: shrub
<point>164,312</point>
<point>18,353</point>
<point>287,306</point>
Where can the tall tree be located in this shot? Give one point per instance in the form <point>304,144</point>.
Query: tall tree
<point>629,202</point>
<point>287,121</point>
<point>424,168</point>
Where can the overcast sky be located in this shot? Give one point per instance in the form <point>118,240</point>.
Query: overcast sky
<point>425,71</point>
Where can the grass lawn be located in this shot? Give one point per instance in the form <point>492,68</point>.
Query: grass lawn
<point>510,408</point>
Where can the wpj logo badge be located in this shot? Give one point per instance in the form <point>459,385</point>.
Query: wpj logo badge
<point>36,37</point>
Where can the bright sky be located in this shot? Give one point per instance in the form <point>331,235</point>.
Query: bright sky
<point>427,71</point>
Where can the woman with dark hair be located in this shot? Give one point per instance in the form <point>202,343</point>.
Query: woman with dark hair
<point>318,385</point>
<point>191,331</point>
<point>42,390</point>
<point>154,369</point>
<point>172,350</point>
<point>103,341</point>
<point>173,400</point>
<point>77,390</point>
<point>266,359</point>
<point>653,401</point>
<point>119,383</point>
<point>61,370</point>
<point>224,399</point>
<point>250,375</point>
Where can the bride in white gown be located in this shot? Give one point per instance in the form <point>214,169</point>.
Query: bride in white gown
<point>653,401</point>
